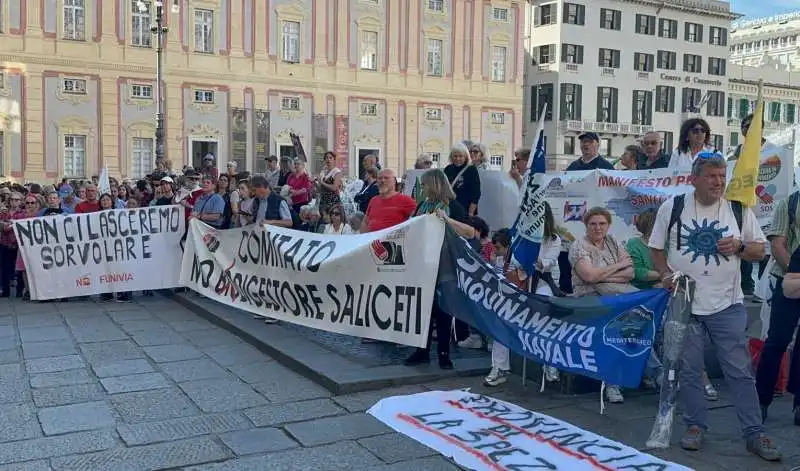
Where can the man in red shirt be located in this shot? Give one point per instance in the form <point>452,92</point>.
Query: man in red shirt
<point>389,208</point>
<point>91,204</point>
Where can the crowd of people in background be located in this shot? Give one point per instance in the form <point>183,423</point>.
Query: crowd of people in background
<point>286,195</point>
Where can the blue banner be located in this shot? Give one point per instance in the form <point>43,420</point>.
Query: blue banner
<point>608,338</point>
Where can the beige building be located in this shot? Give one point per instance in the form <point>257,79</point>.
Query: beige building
<point>392,77</point>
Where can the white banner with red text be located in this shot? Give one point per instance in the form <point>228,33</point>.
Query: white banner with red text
<point>624,193</point>
<point>378,285</point>
<point>110,251</point>
<point>485,434</point>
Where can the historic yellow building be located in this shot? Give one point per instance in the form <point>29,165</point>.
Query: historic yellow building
<point>392,77</point>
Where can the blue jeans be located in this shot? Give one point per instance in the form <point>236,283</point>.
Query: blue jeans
<point>726,329</point>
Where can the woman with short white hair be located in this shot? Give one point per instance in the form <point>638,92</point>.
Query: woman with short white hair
<point>464,179</point>
<point>478,156</point>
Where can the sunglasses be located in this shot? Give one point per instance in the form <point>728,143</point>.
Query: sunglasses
<point>30,202</point>
<point>698,131</point>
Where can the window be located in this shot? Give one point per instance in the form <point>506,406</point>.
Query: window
<point>498,63</point>
<point>665,99</point>
<point>569,145</point>
<point>142,157</point>
<point>642,107</point>
<point>693,32</point>
<point>74,86</point>
<point>496,162</point>
<point>140,24</point>
<point>142,91</point>
<point>74,156</point>
<point>734,139</point>
<point>717,36</point>
<point>692,63</point>
<point>368,109</point>
<point>789,113</point>
<point>436,5</point>
<point>691,100</point>
<point>290,103</point>
<point>744,107</point>
<point>646,24</point>
<point>571,98</point>
<point>643,62</point>
<point>369,50</point>
<point>609,58</point>
<point>204,31</point>
<point>435,57</point>
<point>500,14</point>
<point>204,96</point>
<point>715,106</point>
<point>774,111</point>
<point>667,28</point>
<point>541,95</point>
<point>572,54</point>
<point>546,54</point>
<point>667,60</point>
<point>547,15</point>
<point>291,42</point>
<point>716,141</point>
<point>433,114</point>
<point>435,158</point>
<point>497,117</point>
<point>605,146</point>
<point>610,19</point>
<point>716,66</point>
<point>607,104</point>
<point>74,20</point>
<point>574,14</point>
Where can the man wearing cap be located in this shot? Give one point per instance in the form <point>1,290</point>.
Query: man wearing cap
<point>209,169</point>
<point>167,193</point>
<point>590,156</point>
<point>68,199</point>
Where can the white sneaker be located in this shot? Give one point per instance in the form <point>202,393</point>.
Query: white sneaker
<point>473,342</point>
<point>496,377</point>
<point>270,320</point>
<point>551,374</point>
<point>710,392</point>
<point>614,395</point>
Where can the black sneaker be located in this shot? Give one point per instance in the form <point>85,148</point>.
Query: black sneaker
<point>419,357</point>
<point>444,361</point>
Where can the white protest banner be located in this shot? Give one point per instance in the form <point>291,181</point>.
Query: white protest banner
<point>104,252</point>
<point>103,182</point>
<point>499,201</point>
<point>485,434</point>
<point>378,285</point>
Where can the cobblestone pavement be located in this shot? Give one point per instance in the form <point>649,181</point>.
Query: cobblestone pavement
<point>150,386</point>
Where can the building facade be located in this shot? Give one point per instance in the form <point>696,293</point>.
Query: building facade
<point>621,68</point>
<point>771,41</point>
<point>391,77</point>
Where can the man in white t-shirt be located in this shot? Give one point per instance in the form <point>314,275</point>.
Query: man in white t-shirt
<point>706,244</point>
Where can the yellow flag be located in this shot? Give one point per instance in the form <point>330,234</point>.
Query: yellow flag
<point>742,186</point>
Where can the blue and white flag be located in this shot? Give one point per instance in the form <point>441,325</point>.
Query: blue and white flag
<point>528,228</point>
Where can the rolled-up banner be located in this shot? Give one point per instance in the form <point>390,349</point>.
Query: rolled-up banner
<point>378,285</point>
<point>108,251</point>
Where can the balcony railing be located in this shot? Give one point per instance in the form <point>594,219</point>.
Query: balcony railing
<point>643,75</point>
<point>571,68</point>
<point>609,128</point>
<point>607,72</point>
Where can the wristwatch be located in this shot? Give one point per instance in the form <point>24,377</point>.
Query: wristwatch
<point>742,246</point>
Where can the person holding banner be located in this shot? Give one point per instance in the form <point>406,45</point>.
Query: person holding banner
<point>268,208</point>
<point>704,239</point>
<point>389,208</point>
<point>590,158</point>
<point>300,186</point>
<point>8,247</point>
<point>210,205</point>
<point>694,139</point>
<point>652,157</point>
<point>90,204</point>
<point>441,200</point>
<point>33,204</point>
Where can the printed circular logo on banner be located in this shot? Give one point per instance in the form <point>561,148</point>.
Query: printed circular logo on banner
<point>389,252</point>
<point>769,169</point>
<point>211,242</point>
<point>555,184</point>
<point>631,332</point>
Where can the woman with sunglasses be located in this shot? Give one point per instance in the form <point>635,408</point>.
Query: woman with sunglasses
<point>694,139</point>
<point>8,246</point>
<point>337,225</point>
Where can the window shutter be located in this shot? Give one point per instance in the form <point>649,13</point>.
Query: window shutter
<point>534,104</point>
<point>617,20</point>
<point>537,16</point>
<point>564,48</point>
<point>554,13</point>
<point>638,23</point>
<point>564,14</point>
<point>651,62</point>
<point>724,67</point>
<point>562,103</point>
<point>730,107</point>
<point>648,97</point>
<point>724,36</point>
<point>552,56</point>
<point>790,110</point>
<point>686,31</point>
<point>685,99</point>
<point>614,106</point>
<point>579,54</point>
<point>651,25</point>
<point>616,54</point>
<point>599,104</point>
<point>576,114</point>
<point>721,104</point>
<point>699,33</point>
<point>548,88</point>
<point>581,15</point>
<point>671,91</point>
<point>744,107</point>
<point>634,114</point>
<point>659,94</point>
<point>600,57</point>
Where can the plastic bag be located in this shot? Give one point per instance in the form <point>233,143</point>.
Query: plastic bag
<point>674,335</point>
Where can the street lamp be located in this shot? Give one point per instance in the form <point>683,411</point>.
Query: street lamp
<point>160,32</point>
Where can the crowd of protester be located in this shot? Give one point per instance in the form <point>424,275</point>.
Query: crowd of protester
<point>286,195</point>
